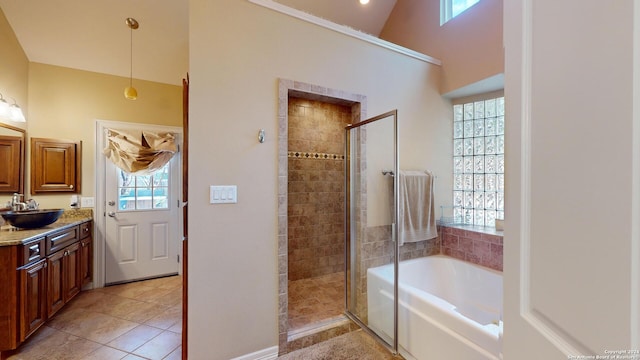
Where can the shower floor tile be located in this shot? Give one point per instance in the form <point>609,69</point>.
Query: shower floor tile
<point>315,300</point>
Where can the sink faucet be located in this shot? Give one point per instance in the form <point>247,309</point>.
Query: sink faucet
<point>32,204</point>
<point>16,205</point>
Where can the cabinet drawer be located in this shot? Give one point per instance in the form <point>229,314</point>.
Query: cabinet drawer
<point>33,251</point>
<point>62,238</point>
<point>85,230</point>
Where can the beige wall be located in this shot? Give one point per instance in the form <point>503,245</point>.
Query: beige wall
<point>64,104</point>
<point>469,45</point>
<point>14,68</point>
<point>238,52</point>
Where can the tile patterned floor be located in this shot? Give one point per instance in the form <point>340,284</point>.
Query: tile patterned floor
<point>140,320</point>
<point>315,300</point>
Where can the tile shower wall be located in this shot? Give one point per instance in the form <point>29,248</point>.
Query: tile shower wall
<point>474,247</point>
<point>316,187</point>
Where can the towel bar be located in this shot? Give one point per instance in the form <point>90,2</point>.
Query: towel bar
<point>390,173</point>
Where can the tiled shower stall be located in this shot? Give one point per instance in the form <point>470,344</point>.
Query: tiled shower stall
<point>316,188</point>
<point>311,231</point>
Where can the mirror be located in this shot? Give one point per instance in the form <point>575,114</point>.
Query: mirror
<point>12,154</point>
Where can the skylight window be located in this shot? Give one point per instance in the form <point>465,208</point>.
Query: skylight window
<point>452,8</point>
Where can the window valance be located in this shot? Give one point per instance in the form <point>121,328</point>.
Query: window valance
<point>139,152</point>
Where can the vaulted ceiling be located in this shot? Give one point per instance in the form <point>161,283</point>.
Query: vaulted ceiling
<point>369,18</point>
<point>92,35</point>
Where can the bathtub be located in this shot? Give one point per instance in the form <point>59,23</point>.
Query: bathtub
<point>448,308</point>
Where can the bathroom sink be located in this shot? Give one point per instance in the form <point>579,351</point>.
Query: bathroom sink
<point>31,219</point>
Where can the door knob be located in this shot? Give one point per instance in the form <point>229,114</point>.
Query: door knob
<point>112,214</point>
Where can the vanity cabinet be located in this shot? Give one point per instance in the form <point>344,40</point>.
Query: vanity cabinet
<point>33,295</point>
<point>64,277</point>
<point>40,276</point>
<point>86,254</point>
<point>55,166</point>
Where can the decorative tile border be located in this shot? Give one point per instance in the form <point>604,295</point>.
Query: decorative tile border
<point>318,156</point>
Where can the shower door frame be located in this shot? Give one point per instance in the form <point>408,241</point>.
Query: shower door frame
<point>394,229</point>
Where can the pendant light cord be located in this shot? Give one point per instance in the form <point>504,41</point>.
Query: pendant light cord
<point>131,56</point>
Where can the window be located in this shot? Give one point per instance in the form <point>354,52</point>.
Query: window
<point>452,8</point>
<point>478,162</point>
<point>143,192</point>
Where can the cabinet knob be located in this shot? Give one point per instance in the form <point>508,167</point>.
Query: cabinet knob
<point>70,186</point>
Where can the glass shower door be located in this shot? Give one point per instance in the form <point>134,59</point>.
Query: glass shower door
<point>371,274</point>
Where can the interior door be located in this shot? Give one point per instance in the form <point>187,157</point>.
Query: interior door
<point>142,223</point>
<point>571,260</point>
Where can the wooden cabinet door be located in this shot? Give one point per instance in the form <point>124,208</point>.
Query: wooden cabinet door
<point>64,277</point>
<point>71,270</point>
<point>33,295</point>
<point>55,166</point>
<point>11,155</point>
<point>86,260</point>
<point>55,286</point>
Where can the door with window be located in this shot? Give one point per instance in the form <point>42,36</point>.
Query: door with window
<point>142,223</point>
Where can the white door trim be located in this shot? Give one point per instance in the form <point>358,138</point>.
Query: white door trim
<point>100,206</point>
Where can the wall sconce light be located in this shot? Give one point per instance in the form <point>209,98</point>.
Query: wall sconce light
<point>11,112</point>
<point>4,108</point>
<point>15,113</point>
<point>130,92</point>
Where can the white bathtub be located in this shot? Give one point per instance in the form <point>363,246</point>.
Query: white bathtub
<point>449,309</point>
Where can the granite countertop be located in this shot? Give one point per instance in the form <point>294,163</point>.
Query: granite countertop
<point>12,236</point>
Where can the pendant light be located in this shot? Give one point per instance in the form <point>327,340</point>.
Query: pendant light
<point>130,92</point>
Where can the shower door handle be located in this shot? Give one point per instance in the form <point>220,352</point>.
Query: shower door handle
<point>393,232</point>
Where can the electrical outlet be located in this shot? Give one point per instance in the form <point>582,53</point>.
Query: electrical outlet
<point>73,202</point>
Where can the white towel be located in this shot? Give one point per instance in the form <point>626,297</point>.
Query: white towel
<point>417,216</point>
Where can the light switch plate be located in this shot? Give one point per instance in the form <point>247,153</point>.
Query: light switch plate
<point>223,194</point>
<point>87,202</point>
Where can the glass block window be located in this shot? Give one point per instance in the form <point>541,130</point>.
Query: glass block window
<point>452,8</point>
<point>478,162</point>
<point>143,192</point>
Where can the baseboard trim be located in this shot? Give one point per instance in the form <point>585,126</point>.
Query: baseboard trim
<point>265,354</point>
